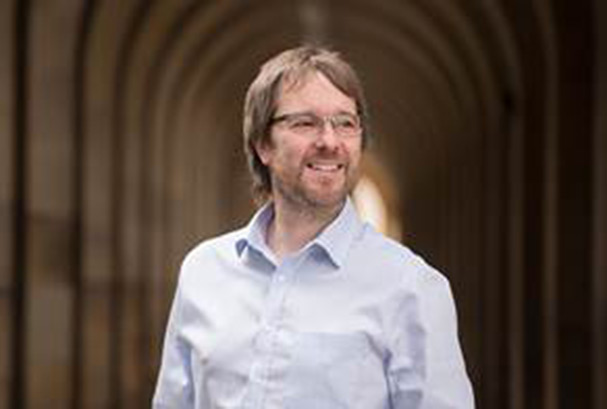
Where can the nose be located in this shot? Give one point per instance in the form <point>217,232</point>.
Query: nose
<point>327,138</point>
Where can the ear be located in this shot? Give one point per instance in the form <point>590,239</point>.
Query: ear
<point>264,151</point>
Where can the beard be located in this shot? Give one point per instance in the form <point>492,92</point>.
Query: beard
<point>315,193</point>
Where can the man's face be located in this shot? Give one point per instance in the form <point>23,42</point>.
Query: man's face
<point>312,170</point>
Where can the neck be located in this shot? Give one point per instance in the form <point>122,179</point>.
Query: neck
<point>294,226</point>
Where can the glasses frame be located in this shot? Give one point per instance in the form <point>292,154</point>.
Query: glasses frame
<point>321,122</point>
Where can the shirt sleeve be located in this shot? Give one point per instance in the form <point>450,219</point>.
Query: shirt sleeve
<point>427,369</point>
<point>174,387</point>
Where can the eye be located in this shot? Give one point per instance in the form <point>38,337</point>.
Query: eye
<point>302,122</point>
<point>346,122</point>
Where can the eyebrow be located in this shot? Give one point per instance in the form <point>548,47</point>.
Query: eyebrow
<point>309,112</point>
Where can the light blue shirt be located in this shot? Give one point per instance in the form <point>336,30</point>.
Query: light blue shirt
<point>353,320</point>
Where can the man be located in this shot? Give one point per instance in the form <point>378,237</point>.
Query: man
<point>307,307</point>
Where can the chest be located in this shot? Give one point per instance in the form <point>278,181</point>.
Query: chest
<point>293,334</point>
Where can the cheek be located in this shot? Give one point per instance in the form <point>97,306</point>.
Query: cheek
<point>354,150</point>
<point>287,161</point>
<point>293,154</point>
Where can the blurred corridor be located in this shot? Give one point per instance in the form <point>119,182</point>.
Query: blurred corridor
<point>120,147</point>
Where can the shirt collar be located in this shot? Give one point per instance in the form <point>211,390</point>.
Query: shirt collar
<point>335,239</point>
<point>254,233</point>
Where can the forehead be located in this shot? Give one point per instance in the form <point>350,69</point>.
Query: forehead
<point>312,91</point>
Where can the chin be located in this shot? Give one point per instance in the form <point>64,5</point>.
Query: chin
<point>327,200</point>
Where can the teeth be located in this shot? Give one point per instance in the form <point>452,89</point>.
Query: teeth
<point>324,167</point>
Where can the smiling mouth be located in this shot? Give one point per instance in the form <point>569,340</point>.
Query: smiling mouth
<point>320,167</point>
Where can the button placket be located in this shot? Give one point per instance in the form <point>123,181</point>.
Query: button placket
<point>275,318</point>
<point>268,341</point>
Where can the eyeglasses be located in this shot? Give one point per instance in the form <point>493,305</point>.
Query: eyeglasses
<point>310,124</point>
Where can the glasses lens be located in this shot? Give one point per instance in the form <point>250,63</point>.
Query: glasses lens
<point>304,123</point>
<point>346,124</point>
<point>311,124</point>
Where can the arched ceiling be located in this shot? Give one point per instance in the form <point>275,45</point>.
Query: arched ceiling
<point>169,77</point>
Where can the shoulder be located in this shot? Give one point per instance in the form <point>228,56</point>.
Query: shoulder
<point>419,283</point>
<point>388,256</point>
<point>210,252</point>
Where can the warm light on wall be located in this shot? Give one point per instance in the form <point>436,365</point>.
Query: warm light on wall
<point>370,204</point>
<point>373,209</point>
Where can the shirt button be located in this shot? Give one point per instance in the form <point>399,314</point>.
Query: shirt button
<point>281,278</point>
